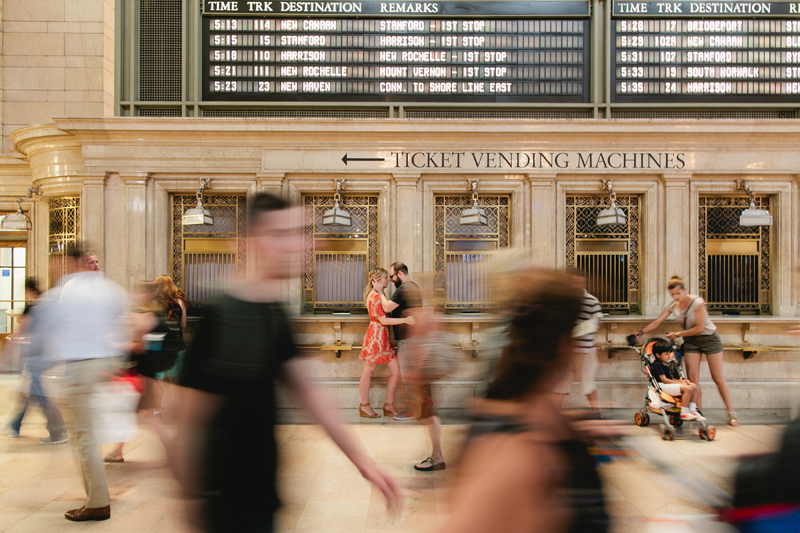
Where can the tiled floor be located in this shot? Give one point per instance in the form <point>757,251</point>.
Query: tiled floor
<point>323,492</point>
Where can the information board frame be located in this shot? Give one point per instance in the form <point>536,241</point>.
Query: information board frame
<point>438,11</point>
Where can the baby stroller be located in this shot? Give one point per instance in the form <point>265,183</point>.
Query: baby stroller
<point>659,402</point>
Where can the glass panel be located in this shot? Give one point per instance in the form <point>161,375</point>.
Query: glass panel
<point>5,257</point>
<point>19,256</point>
<point>18,275</point>
<point>5,285</point>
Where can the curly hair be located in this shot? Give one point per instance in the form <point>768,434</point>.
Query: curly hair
<point>542,319</point>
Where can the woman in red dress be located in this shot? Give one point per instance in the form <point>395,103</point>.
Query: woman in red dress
<point>376,348</point>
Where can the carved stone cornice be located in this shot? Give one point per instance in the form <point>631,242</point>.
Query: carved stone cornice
<point>54,156</point>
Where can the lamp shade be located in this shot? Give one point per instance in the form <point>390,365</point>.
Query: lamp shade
<point>198,215</point>
<point>18,221</point>
<point>755,217</point>
<point>473,216</point>
<point>611,215</point>
<point>336,216</point>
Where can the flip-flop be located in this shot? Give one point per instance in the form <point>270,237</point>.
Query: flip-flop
<point>434,465</point>
<point>111,459</point>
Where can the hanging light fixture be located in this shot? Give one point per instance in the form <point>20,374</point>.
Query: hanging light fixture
<point>19,221</point>
<point>612,214</point>
<point>199,214</point>
<point>336,216</point>
<point>473,216</point>
<point>752,216</point>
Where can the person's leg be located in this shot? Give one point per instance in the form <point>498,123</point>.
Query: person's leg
<point>434,429</point>
<point>81,378</point>
<point>686,394</point>
<point>364,385</point>
<point>15,421</point>
<point>424,396</point>
<point>55,423</point>
<point>692,362</point>
<point>592,397</point>
<point>715,367</point>
<point>391,385</point>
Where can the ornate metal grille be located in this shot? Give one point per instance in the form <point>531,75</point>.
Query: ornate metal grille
<point>338,258</point>
<point>735,268</point>
<point>463,254</point>
<point>160,50</point>
<point>206,258</point>
<point>608,255</point>
<point>63,234</point>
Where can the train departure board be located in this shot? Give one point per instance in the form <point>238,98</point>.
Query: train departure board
<point>705,52</point>
<point>481,52</point>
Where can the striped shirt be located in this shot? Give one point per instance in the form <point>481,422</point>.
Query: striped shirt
<point>588,323</point>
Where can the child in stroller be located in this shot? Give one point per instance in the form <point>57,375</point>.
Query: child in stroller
<point>669,393</point>
<point>663,353</point>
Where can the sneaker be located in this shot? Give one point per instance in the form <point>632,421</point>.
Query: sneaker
<point>47,441</point>
<point>688,417</point>
<point>698,415</point>
<point>10,432</point>
<point>405,415</point>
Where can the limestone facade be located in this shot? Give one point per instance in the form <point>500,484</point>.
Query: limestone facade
<point>125,169</point>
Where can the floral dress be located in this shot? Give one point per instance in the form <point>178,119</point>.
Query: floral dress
<point>376,347</point>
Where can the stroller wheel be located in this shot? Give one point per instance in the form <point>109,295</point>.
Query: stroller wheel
<point>641,418</point>
<point>702,432</point>
<point>675,420</point>
<point>646,420</point>
<point>666,434</point>
<point>711,432</point>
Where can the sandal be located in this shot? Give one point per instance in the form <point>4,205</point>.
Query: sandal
<point>433,465</point>
<point>113,459</point>
<point>388,412</point>
<point>733,419</point>
<point>364,414</point>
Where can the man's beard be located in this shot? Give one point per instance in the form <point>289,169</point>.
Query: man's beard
<point>397,283</point>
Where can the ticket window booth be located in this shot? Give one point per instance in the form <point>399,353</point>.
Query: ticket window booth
<point>734,260</point>
<point>207,258</point>
<point>607,255</point>
<point>13,256</point>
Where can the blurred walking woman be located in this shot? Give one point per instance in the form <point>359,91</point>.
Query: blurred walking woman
<point>376,348</point>
<point>524,468</point>
<point>699,337</point>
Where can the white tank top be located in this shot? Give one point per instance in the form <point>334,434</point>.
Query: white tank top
<point>688,317</point>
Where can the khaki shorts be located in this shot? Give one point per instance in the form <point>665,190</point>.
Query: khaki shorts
<point>706,344</point>
<point>419,391</point>
<point>673,389</point>
<point>583,369</point>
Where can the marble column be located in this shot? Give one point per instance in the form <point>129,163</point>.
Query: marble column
<point>542,220</point>
<point>93,210</point>
<point>136,230</point>
<point>407,229</point>
<point>678,237</point>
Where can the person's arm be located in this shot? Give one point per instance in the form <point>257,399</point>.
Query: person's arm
<point>194,410</point>
<point>386,321</point>
<point>297,379</point>
<point>183,313</point>
<point>655,323</point>
<point>387,304</point>
<point>699,317</point>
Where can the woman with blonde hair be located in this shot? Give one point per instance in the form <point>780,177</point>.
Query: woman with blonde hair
<point>376,348</point>
<point>699,337</point>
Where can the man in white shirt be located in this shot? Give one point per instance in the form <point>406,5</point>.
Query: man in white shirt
<point>79,319</point>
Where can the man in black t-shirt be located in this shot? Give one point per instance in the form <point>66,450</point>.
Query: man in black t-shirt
<point>225,452</point>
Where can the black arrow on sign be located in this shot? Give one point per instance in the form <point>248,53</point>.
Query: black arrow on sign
<point>345,159</point>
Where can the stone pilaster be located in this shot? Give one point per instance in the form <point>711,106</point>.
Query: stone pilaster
<point>93,211</point>
<point>542,219</point>
<point>407,232</point>
<point>678,237</point>
<point>136,230</point>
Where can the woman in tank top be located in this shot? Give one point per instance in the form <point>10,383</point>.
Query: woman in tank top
<point>699,337</point>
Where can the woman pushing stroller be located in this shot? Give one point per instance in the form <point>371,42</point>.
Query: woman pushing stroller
<point>699,337</point>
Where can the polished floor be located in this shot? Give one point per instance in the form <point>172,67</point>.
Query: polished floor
<point>323,492</point>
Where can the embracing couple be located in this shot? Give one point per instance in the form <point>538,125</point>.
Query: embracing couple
<point>377,349</point>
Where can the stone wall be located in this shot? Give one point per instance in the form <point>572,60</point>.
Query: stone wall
<point>57,60</point>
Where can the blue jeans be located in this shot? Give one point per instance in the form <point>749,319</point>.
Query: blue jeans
<point>55,424</point>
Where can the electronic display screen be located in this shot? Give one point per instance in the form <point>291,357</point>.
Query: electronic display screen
<point>705,52</point>
<point>396,51</point>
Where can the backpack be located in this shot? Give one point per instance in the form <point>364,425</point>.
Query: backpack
<point>163,358</point>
